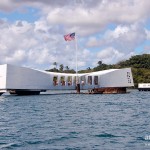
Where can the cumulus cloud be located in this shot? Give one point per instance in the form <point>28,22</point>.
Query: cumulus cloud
<point>148,34</point>
<point>93,42</point>
<point>97,17</point>
<point>8,5</point>
<point>34,43</point>
<point>41,41</point>
<point>110,55</point>
<point>86,16</point>
<point>125,38</point>
<point>146,49</point>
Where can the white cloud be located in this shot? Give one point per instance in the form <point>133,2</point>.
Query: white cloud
<point>146,50</point>
<point>41,42</point>
<point>85,16</point>
<point>118,32</point>
<point>24,43</point>
<point>93,41</point>
<point>110,55</point>
<point>96,18</point>
<point>126,38</point>
<point>20,27</point>
<point>8,5</point>
<point>148,34</point>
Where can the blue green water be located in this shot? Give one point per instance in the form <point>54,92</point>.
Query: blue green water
<point>74,122</point>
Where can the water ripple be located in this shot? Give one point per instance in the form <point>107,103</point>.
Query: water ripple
<point>74,122</point>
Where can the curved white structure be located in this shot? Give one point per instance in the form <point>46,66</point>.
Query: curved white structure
<point>22,78</point>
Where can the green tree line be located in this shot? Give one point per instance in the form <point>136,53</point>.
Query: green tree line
<point>61,68</point>
<point>140,65</point>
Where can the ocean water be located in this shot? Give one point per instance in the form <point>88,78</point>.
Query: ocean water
<point>75,121</point>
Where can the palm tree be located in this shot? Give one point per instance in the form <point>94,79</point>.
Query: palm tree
<point>88,68</point>
<point>61,67</point>
<point>100,63</point>
<point>55,64</point>
<point>67,68</point>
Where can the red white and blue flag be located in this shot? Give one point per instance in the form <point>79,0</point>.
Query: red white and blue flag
<point>69,37</point>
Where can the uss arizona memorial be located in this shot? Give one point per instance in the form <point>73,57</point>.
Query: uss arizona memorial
<point>22,80</point>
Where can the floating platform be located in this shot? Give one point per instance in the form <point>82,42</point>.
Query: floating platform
<point>110,90</point>
<point>1,93</point>
<point>24,92</point>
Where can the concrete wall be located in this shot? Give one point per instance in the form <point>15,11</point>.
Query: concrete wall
<point>25,78</point>
<point>3,76</point>
<point>14,77</point>
<point>117,78</point>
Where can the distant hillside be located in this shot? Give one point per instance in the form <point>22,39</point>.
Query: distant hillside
<point>140,65</point>
<point>138,61</point>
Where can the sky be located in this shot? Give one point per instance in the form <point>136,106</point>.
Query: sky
<point>31,32</point>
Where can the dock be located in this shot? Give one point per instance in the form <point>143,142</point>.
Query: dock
<point>144,86</point>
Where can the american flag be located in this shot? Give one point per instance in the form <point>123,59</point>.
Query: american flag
<point>69,37</point>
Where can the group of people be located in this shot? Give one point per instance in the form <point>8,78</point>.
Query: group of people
<point>63,83</point>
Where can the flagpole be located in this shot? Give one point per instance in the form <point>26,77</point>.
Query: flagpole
<point>70,37</point>
<point>76,45</point>
<point>77,78</point>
